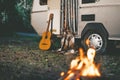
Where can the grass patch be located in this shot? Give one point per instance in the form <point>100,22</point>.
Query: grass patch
<point>20,58</point>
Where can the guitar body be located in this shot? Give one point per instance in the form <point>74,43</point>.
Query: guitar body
<point>45,42</point>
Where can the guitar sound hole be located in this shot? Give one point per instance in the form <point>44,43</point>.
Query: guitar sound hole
<point>46,37</point>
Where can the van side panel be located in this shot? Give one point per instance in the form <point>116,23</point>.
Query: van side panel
<point>39,22</point>
<point>106,12</point>
<point>39,17</point>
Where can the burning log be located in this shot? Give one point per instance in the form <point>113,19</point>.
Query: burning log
<point>70,76</point>
<point>82,66</point>
<point>92,78</point>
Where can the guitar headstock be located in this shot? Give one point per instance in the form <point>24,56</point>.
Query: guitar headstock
<point>51,16</point>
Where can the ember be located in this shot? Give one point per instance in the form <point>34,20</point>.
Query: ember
<point>83,65</point>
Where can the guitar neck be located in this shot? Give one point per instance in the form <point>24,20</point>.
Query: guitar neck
<point>48,26</point>
<point>50,18</point>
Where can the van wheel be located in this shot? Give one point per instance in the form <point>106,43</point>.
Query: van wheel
<point>97,40</point>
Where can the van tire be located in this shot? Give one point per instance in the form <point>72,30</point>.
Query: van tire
<point>97,40</point>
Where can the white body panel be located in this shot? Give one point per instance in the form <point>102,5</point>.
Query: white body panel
<point>106,12</point>
<point>40,16</point>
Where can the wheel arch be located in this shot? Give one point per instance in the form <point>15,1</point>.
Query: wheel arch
<point>99,27</point>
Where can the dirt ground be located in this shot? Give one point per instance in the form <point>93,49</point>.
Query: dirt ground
<point>21,59</point>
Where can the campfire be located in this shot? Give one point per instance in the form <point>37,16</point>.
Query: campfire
<point>82,66</point>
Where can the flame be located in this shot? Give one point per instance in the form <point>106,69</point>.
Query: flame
<point>83,65</point>
<point>62,73</point>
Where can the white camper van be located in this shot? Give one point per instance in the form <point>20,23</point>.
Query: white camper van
<point>96,20</point>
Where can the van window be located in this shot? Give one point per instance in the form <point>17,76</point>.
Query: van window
<point>88,1</point>
<point>43,2</point>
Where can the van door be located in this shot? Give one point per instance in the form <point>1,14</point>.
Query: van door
<point>39,15</point>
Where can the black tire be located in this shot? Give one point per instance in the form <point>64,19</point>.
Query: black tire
<point>96,39</point>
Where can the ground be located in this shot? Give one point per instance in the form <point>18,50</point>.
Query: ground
<point>21,59</point>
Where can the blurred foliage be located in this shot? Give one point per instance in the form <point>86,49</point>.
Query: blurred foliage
<point>15,16</point>
<point>7,16</point>
<point>23,8</point>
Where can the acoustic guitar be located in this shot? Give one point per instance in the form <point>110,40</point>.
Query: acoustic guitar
<point>45,42</point>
